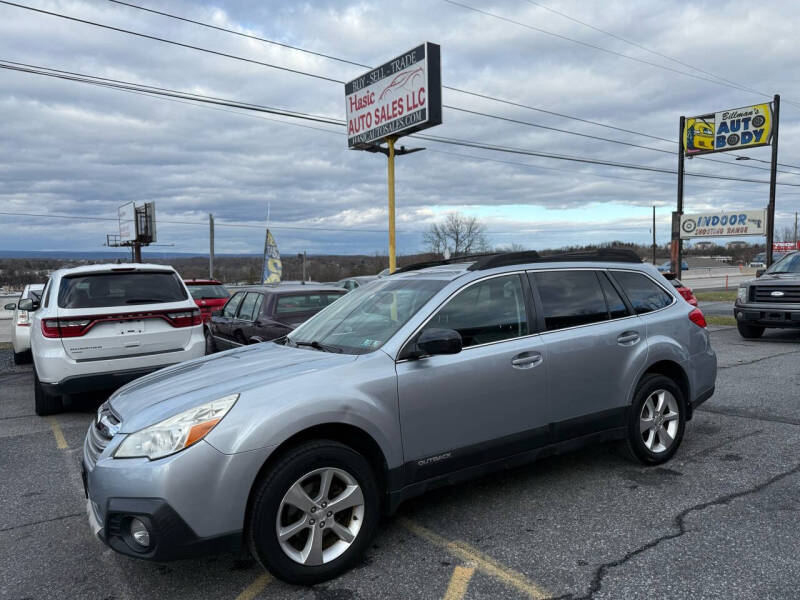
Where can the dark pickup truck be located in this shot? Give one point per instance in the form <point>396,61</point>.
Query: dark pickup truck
<point>771,300</point>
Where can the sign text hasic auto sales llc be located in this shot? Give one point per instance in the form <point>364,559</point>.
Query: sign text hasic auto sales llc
<point>400,97</point>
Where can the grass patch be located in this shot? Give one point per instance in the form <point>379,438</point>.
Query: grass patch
<point>723,296</point>
<point>720,320</point>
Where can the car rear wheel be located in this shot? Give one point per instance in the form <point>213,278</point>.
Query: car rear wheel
<point>314,513</point>
<point>750,332</point>
<point>22,358</point>
<point>45,404</point>
<point>657,420</point>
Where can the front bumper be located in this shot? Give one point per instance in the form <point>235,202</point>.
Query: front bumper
<point>193,502</point>
<point>766,315</point>
<point>170,537</point>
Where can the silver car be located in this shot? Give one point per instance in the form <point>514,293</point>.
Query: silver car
<point>440,373</point>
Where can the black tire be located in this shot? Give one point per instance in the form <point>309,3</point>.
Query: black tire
<point>211,346</point>
<point>268,496</point>
<point>750,332</point>
<point>649,386</point>
<point>22,358</point>
<point>45,404</point>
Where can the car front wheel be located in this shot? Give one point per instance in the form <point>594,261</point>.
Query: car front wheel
<point>657,420</point>
<point>314,513</point>
<point>750,332</point>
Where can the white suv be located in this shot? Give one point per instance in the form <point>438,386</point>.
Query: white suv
<point>101,326</point>
<point>21,324</point>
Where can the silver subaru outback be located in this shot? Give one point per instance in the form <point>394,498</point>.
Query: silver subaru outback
<point>439,373</point>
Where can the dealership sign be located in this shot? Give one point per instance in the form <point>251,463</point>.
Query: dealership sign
<point>734,129</point>
<point>724,224</point>
<point>399,97</point>
<point>785,246</point>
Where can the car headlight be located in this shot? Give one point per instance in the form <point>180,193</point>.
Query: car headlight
<point>176,433</point>
<point>742,295</point>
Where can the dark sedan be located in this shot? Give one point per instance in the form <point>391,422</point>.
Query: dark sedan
<point>262,313</point>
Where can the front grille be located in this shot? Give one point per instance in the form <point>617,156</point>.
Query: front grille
<point>790,294</point>
<point>100,433</point>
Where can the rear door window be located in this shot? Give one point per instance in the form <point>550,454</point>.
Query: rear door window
<point>570,298</point>
<point>644,294</point>
<point>299,303</point>
<point>96,290</point>
<point>489,311</point>
<point>616,306</point>
<point>230,308</point>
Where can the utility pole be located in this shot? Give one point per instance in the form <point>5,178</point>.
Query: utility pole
<point>654,235</point>
<point>795,231</point>
<point>773,174</point>
<point>210,246</point>
<point>676,233</point>
<point>304,266</point>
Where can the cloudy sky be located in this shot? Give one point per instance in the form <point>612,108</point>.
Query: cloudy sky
<point>68,148</point>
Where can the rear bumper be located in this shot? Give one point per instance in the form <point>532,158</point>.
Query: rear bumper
<point>97,381</point>
<point>767,316</point>
<point>21,338</point>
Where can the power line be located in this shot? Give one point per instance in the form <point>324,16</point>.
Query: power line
<point>331,121</point>
<point>295,71</point>
<point>606,50</point>
<point>468,92</point>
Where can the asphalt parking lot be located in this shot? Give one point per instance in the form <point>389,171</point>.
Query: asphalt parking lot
<point>721,520</point>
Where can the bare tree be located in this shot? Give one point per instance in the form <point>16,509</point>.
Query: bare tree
<point>457,233</point>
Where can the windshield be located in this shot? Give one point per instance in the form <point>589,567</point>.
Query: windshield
<point>788,264</point>
<point>364,319</point>
<point>207,291</point>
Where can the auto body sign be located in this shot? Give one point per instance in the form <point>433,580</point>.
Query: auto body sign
<point>400,97</point>
<point>724,224</point>
<point>746,127</point>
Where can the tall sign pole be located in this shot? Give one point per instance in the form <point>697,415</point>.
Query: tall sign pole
<point>392,240</point>
<point>676,254</point>
<point>210,246</point>
<point>773,174</point>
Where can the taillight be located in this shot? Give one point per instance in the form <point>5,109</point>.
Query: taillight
<point>185,318</point>
<point>53,328</point>
<point>696,317</point>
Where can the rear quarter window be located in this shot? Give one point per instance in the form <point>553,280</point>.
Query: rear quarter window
<point>97,290</point>
<point>644,294</point>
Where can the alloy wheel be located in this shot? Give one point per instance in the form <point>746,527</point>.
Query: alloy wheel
<point>658,421</point>
<point>320,516</point>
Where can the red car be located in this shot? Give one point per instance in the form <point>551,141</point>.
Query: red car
<point>684,291</point>
<point>208,294</point>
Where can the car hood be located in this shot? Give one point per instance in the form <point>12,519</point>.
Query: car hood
<point>777,279</point>
<point>170,391</point>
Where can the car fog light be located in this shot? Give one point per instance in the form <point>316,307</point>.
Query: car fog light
<point>139,533</point>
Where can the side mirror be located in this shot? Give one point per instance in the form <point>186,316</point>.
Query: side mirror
<point>28,304</point>
<point>10,306</point>
<point>760,272</point>
<point>439,341</point>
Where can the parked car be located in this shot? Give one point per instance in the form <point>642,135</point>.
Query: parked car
<point>667,266</point>
<point>21,324</point>
<point>261,313</point>
<point>425,378</point>
<point>683,290</point>
<point>771,300</point>
<point>352,283</point>
<point>100,326</point>
<point>208,294</point>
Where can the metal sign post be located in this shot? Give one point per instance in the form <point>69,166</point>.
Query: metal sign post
<point>677,244</point>
<point>773,174</point>
<point>392,240</point>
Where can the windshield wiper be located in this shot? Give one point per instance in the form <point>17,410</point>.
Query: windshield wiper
<point>318,346</point>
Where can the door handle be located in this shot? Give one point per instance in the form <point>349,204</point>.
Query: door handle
<point>628,338</point>
<point>526,360</point>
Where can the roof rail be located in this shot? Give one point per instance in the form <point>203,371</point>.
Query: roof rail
<point>482,262</point>
<point>444,261</point>
<point>516,258</point>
